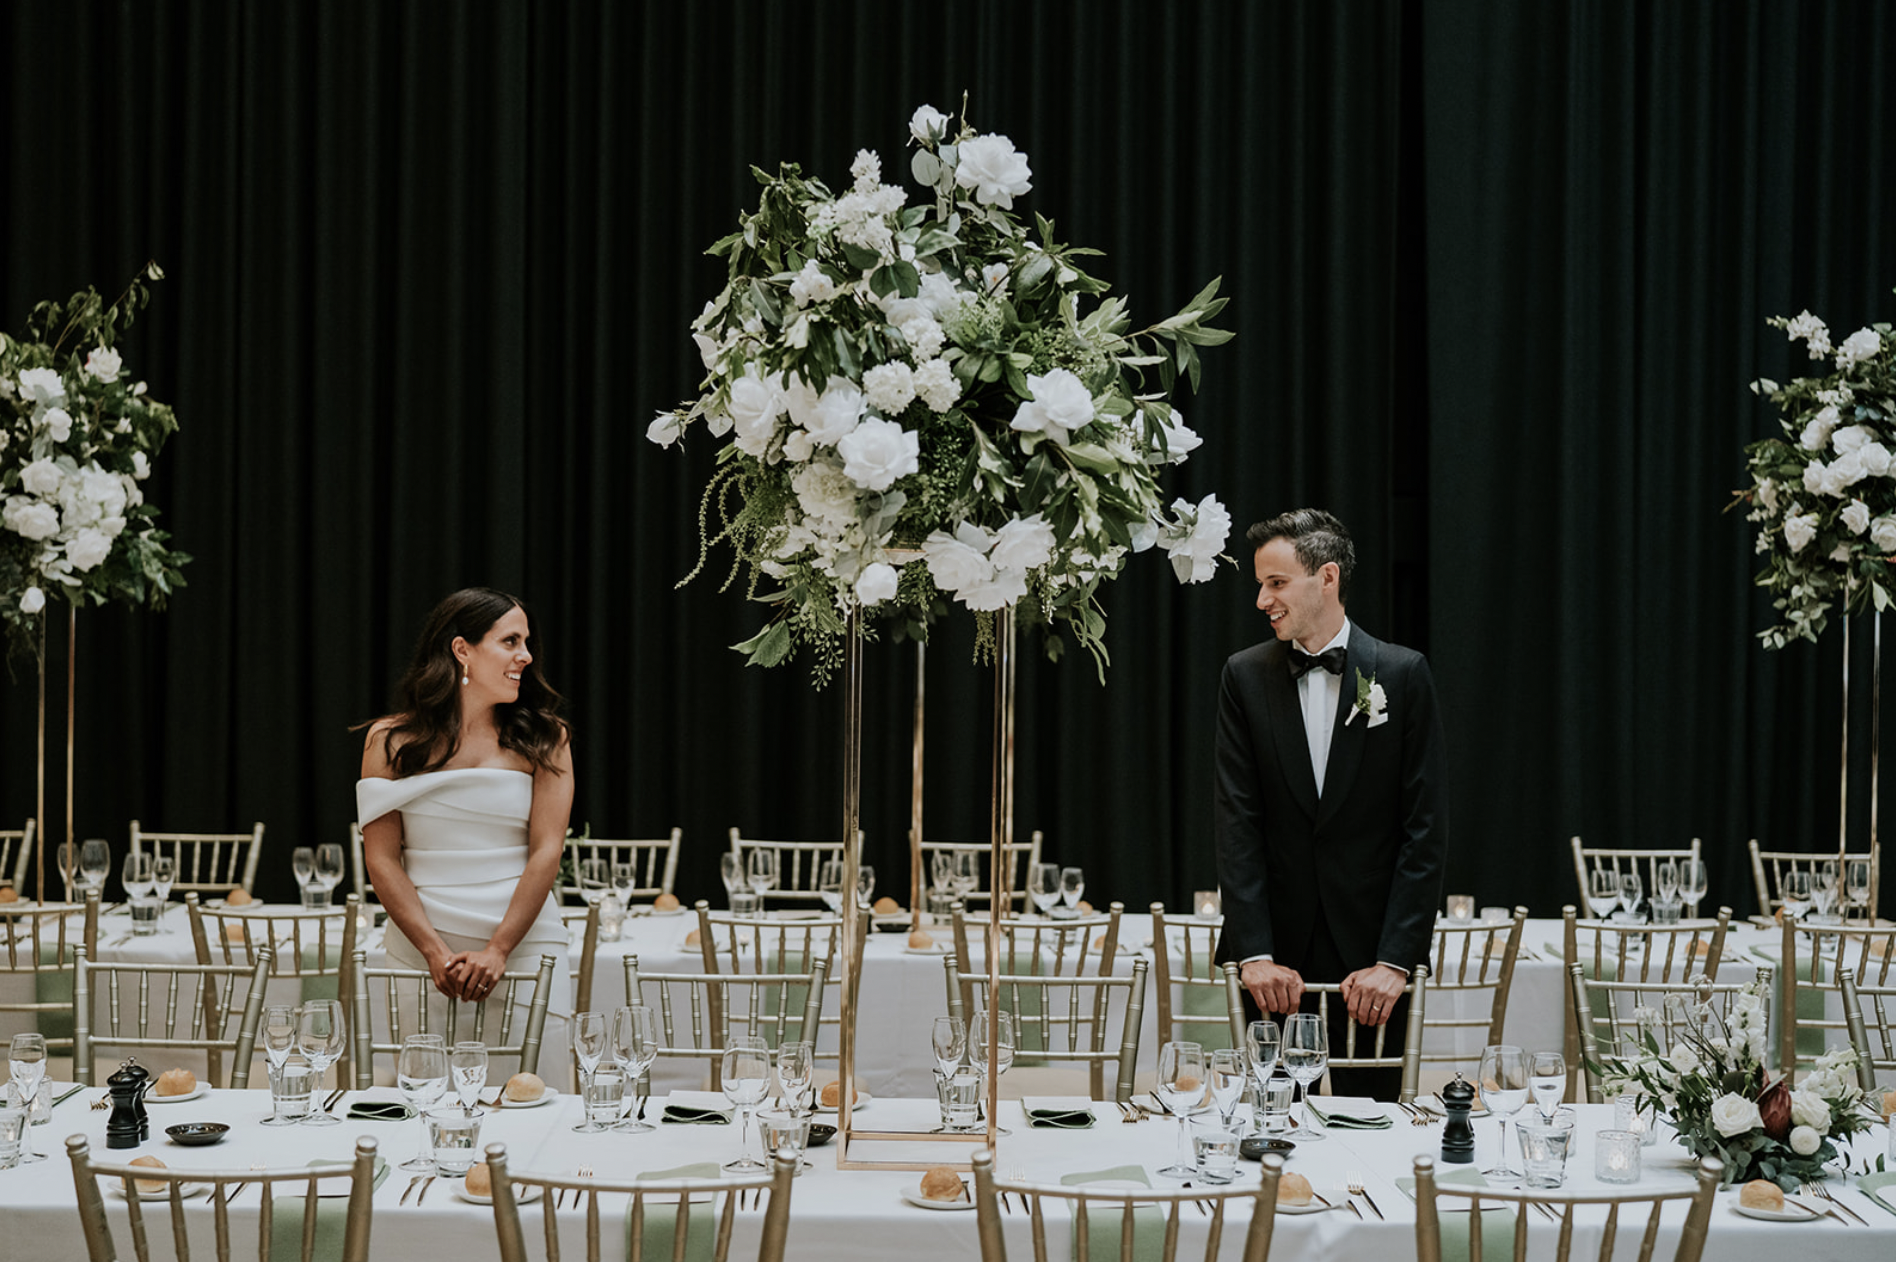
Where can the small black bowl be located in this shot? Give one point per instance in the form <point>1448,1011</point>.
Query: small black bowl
<point>1253,1147</point>
<point>820,1133</point>
<point>197,1134</point>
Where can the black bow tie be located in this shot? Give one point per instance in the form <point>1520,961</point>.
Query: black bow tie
<point>1302,663</point>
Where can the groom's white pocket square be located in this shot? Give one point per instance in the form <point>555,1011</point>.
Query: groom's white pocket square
<point>1379,720</point>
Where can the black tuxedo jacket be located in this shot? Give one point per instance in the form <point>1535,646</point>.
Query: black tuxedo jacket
<point>1369,852</point>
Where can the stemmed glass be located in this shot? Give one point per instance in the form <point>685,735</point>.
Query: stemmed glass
<point>950,1040</point>
<point>796,1070</point>
<point>746,1081</point>
<point>592,1039</point>
<point>1505,1082</point>
<point>760,869</point>
<point>1002,1025</point>
<point>1856,882</point>
<point>635,1043</point>
<point>1823,889</point>
<point>595,879</point>
<point>421,1071</point>
<point>1692,884</point>
<point>865,884</point>
<point>624,878</point>
<point>1072,885</point>
<point>941,874</point>
<point>279,1040</point>
<point>1229,1074</point>
<point>967,873</point>
<point>136,874</point>
<point>1548,1079</point>
<point>1306,1055</point>
<point>1263,1043</point>
<point>1603,892</point>
<point>1043,886</point>
<point>1181,1085</point>
<point>829,884</point>
<point>1665,879</point>
<point>95,862</point>
<point>328,869</point>
<point>1794,892</point>
<point>164,872</point>
<point>731,872</point>
<point>1631,890</point>
<point>303,868</point>
<point>319,1036</point>
<point>26,1062</point>
<point>468,1062</point>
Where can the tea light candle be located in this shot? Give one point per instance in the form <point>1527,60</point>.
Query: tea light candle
<point>1616,1157</point>
<point>1208,904</point>
<point>1461,906</point>
<point>1641,1121</point>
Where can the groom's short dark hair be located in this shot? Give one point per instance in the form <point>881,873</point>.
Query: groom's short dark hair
<point>1318,539</point>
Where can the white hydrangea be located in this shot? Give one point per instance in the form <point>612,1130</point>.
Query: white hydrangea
<point>812,284</point>
<point>937,385</point>
<point>824,494</point>
<point>867,170</point>
<point>42,478</point>
<point>889,387</point>
<point>1808,329</point>
<point>924,335</point>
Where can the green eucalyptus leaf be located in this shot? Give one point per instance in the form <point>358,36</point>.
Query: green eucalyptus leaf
<point>907,281</point>
<point>926,168</point>
<point>859,258</point>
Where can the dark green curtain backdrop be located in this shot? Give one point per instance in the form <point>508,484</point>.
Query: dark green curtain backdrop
<point>1499,275</point>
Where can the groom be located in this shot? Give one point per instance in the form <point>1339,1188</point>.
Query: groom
<point>1332,816</point>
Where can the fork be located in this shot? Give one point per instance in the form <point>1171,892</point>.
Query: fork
<point>406,1193</point>
<point>424,1190</point>
<point>1823,1193</point>
<point>1355,1184</point>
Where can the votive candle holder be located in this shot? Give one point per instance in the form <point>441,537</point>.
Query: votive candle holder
<point>1616,1157</point>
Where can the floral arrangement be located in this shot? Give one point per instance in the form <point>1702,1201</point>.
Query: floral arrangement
<point>77,437</point>
<point>1713,1088</point>
<point>1824,494</point>
<point>935,400</point>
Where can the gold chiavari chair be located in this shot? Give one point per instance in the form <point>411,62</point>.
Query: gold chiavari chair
<point>1428,1210</point>
<point>212,1008</point>
<point>1096,1211</point>
<point>1769,867</point>
<point>312,945</point>
<point>1613,1016</point>
<point>1064,1020</point>
<point>1811,974</point>
<point>1611,951</point>
<point>1645,863</point>
<point>1036,944</point>
<point>1475,960</point>
<point>799,864</point>
<point>737,945</point>
<point>410,1004</point>
<point>587,920</point>
<point>1183,951</point>
<point>16,847</point>
<point>38,945</point>
<point>658,1219</point>
<point>698,1013</point>
<point>1871,1014</point>
<point>358,867</point>
<point>1019,858</point>
<point>654,861</point>
<point>208,863</point>
<point>86,1174</point>
<point>1379,1055</point>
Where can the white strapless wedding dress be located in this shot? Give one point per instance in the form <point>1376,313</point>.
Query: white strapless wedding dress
<point>464,845</point>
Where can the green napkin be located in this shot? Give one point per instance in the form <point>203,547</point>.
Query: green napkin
<point>1104,1225</point>
<point>380,1111</point>
<point>661,1220</point>
<point>1050,1116</point>
<point>332,1218</point>
<point>1871,1184</point>
<point>1347,1114</point>
<point>1497,1225</point>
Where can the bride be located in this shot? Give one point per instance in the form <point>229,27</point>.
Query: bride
<point>463,804</point>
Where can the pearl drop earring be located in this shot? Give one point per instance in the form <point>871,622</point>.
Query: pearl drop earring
<point>463,674</point>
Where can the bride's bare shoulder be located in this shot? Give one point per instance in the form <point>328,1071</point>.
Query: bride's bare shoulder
<point>379,747</point>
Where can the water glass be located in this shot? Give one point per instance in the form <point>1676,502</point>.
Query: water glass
<point>745,903</point>
<point>1306,1055</point>
<point>1181,1085</point>
<point>95,862</point>
<point>1548,1081</point>
<point>1496,915</point>
<point>1631,889</point>
<point>760,870</point>
<point>595,879</point>
<point>604,1094</point>
<point>144,916</point>
<point>1461,907</point>
<point>1278,1094</point>
<point>291,1087</point>
<point>1230,1074</point>
<point>959,1095</point>
<point>455,1137</point>
<point>634,1048</point>
<point>1214,1151</point>
<point>796,1070</point>
<point>785,1131</point>
<point>611,918</point>
<point>468,1063</point>
<point>1666,911</point>
<point>950,1043</point>
<point>745,1078</point>
<point>1545,1147</point>
<point>1616,1157</point>
<point>12,1132</point>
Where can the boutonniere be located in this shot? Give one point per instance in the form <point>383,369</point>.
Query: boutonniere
<point>1371,703</point>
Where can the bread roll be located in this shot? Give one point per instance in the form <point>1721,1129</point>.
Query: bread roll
<point>238,897</point>
<point>237,932</point>
<point>942,1184</point>
<point>149,1186</point>
<point>8,894</point>
<point>691,939</point>
<point>1083,906</point>
<point>1762,1194</point>
<point>921,940</point>
<point>525,1087</point>
<point>1293,1189</point>
<point>175,1082</point>
<point>478,1182</point>
<point>665,902</point>
<point>832,1091</point>
<point>886,906</point>
<point>1889,1103</point>
<point>1099,943</point>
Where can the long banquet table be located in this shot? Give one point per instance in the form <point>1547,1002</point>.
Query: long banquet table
<point>841,1216</point>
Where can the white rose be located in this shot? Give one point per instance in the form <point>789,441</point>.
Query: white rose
<point>42,388</point>
<point>42,477</point>
<point>1061,404</point>
<point>664,430</point>
<point>1003,589</point>
<point>927,123</point>
<point>890,387</point>
<point>32,600</point>
<point>1814,477</point>
<point>876,584</point>
<point>877,452</point>
<point>1883,534</point>
<point>1767,495</point>
<point>1734,1115</point>
<point>1144,535</point>
<point>992,169</point>
<point>57,422</point>
<point>707,351</point>
<point>1805,1141</point>
<point>1179,438</point>
<point>141,467</point>
<point>937,385</point>
<point>1023,544</point>
<point>1683,1059</point>
<point>1849,438</point>
<point>87,548</point>
<point>29,518</point>
<point>1810,1109</point>
<point>103,364</point>
<point>1875,459</point>
<point>1194,544</point>
<point>1799,530</point>
<point>959,560</point>
<point>797,446</point>
<point>837,411</point>
<point>1856,516</point>
<point>754,402</point>
<point>1859,346</point>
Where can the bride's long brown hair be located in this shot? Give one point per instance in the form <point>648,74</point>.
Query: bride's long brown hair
<point>425,730</point>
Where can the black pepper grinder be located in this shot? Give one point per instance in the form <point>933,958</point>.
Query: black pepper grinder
<point>1458,1133</point>
<point>128,1127</point>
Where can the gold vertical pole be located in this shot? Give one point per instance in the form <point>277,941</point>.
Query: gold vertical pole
<point>852,861</point>
<point>1876,740</point>
<point>999,825</point>
<point>916,879</point>
<point>72,675</point>
<point>1843,771</point>
<point>39,796</point>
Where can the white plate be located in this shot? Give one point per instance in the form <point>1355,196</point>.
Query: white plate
<point>1336,1196</point>
<point>862,1099</point>
<point>523,1194</point>
<point>546,1097</point>
<point>940,948</point>
<point>186,1191</point>
<point>666,915</point>
<point>914,1197</point>
<point>192,1094</point>
<point>1801,1214</point>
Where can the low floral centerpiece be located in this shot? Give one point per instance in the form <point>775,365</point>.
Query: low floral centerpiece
<point>935,400</point>
<point>1711,1085</point>
<point>1824,494</point>
<point>77,437</point>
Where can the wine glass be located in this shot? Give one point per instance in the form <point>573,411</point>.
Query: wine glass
<point>595,879</point>
<point>1856,882</point>
<point>1603,892</point>
<point>421,1071</point>
<point>941,873</point>
<point>136,874</point>
<point>328,868</point>
<point>950,1040</point>
<point>746,1080</point>
<point>66,862</point>
<point>635,1043</point>
<point>829,884</point>
<point>796,1070</point>
<point>1229,1074</point>
<point>279,1040</point>
<point>164,872</point>
<point>865,885</point>
<point>1665,879</point>
<point>760,870</point>
<point>1631,890</point>
<point>1823,889</point>
<point>625,878</point>
<point>1505,1082</point>
<point>1692,883</point>
<point>1262,1042</point>
<point>1306,1054</point>
<point>1072,885</point>
<point>1043,886</point>
<point>1181,1085</point>
<point>26,1063</point>
<point>1548,1074</point>
<point>592,1038</point>
<point>731,872</point>
<point>95,862</point>
<point>320,1033</point>
<point>967,872</point>
<point>1002,1025</point>
<point>1794,892</point>
<point>303,868</point>
<point>468,1063</point>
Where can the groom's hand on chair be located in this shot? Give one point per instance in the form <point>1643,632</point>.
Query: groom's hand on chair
<point>1372,993</point>
<point>1273,987</point>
